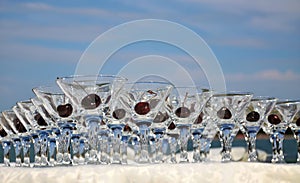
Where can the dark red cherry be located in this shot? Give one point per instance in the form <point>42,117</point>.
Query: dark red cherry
<point>298,122</point>
<point>40,120</point>
<point>64,110</point>
<point>224,113</point>
<point>172,126</point>
<point>252,116</point>
<point>91,101</point>
<point>19,126</point>
<point>119,113</point>
<point>3,133</point>
<point>127,128</point>
<point>199,119</point>
<point>142,108</point>
<point>182,112</point>
<point>160,117</point>
<point>274,119</point>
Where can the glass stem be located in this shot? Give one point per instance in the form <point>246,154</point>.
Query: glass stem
<point>6,145</point>
<point>204,148</point>
<point>297,135</point>
<point>158,148</point>
<point>104,146</point>
<point>144,133</point>
<point>226,142</point>
<point>173,142</point>
<point>277,147</point>
<point>93,128</point>
<point>123,149</point>
<point>251,142</point>
<point>196,147</point>
<point>26,144</point>
<point>116,143</point>
<point>18,148</point>
<point>183,138</point>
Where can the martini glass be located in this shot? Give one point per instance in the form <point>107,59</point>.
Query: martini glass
<point>198,126</point>
<point>185,106</point>
<point>92,95</point>
<point>295,127</point>
<point>6,132</point>
<point>20,130</point>
<point>277,124</point>
<point>224,109</point>
<point>251,121</point>
<point>58,105</point>
<point>117,121</point>
<point>143,100</point>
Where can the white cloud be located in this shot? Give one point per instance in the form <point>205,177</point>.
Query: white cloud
<point>265,75</point>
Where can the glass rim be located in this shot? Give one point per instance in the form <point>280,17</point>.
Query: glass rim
<point>287,101</point>
<point>48,89</point>
<point>231,93</point>
<point>258,98</point>
<point>116,77</point>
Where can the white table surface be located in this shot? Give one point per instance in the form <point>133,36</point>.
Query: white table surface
<point>213,171</point>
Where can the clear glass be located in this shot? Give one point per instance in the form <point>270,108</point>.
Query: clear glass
<point>276,125</point>
<point>295,127</point>
<point>185,105</point>
<point>143,101</point>
<point>59,107</point>
<point>224,109</point>
<point>19,131</point>
<point>92,95</point>
<point>251,121</point>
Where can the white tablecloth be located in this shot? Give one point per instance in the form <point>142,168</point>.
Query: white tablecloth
<point>213,171</point>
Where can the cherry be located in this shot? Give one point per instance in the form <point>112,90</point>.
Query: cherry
<point>182,112</point>
<point>172,126</point>
<point>91,101</point>
<point>142,108</point>
<point>40,120</point>
<point>3,133</point>
<point>64,110</point>
<point>199,119</point>
<point>20,127</point>
<point>119,113</point>
<point>224,113</point>
<point>252,116</point>
<point>127,128</point>
<point>274,119</point>
<point>298,122</point>
<point>160,117</point>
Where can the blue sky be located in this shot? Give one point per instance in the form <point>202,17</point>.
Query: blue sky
<point>256,42</point>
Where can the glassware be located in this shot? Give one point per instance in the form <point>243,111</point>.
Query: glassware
<point>117,118</point>
<point>58,105</point>
<point>295,127</point>
<point>277,124</point>
<point>6,132</point>
<point>185,106</point>
<point>224,109</point>
<point>251,121</point>
<point>92,96</point>
<point>20,131</point>
<point>143,101</point>
<point>198,126</point>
